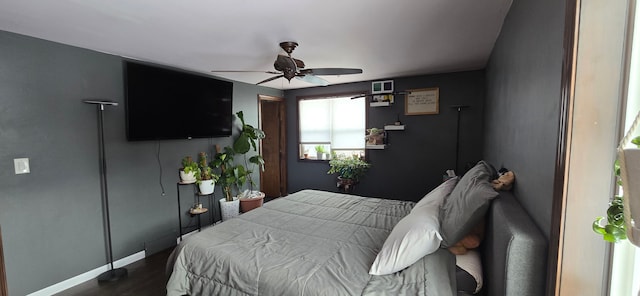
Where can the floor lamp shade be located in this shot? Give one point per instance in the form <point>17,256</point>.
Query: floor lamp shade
<point>113,274</point>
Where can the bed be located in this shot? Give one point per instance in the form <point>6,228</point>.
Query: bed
<point>325,243</point>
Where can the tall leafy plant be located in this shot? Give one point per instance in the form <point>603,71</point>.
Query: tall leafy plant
<point>248,140</point>
<point>234,176</point>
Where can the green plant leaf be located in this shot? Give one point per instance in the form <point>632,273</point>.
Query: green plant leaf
<point>636,141</point>
<point>241,145</point>
<point>596,226</point>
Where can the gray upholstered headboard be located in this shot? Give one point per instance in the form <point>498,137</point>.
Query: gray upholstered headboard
<point>514,251</point>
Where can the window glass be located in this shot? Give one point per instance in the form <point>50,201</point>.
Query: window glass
<point>331,124</point>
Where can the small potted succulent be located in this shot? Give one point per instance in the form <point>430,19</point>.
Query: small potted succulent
<point>349,169</point>
<point>189,170</point>
<point>319,151</point>
<point>206,179</point>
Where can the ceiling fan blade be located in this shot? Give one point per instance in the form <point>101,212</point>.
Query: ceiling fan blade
<point>331,71</point>
<point>371,95</point>
<point>269,79</point>
<point>245,71</point>
<point>313,79</point>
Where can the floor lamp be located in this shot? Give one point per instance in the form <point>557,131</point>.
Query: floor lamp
<point>459,109</point>
<point>113,274</point>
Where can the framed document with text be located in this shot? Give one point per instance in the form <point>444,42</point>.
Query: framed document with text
<point>421,101</point>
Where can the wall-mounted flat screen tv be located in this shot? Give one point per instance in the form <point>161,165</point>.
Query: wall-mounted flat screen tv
<point>163,103</point>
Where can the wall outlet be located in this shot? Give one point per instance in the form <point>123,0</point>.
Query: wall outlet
<point>21,165</point>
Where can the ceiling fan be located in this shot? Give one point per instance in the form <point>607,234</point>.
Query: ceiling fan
<point>289,67</point>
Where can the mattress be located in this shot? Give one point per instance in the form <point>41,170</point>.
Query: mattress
<point>308,243</point>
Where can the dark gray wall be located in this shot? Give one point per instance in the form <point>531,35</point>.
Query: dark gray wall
<point>417,157</point>
<point>51,218</point>
<point>523,102</point>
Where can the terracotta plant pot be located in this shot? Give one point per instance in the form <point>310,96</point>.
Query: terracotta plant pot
<point>248,204</point>
<point>346,185</point>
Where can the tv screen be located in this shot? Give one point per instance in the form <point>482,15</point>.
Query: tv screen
<point>163,104</point>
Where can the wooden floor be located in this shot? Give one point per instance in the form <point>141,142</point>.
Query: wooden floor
<point>145,278</point>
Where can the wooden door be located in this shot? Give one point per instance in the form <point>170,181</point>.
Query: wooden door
<point>273,181</point>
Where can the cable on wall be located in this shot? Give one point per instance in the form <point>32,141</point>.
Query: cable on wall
<point>160,166</point>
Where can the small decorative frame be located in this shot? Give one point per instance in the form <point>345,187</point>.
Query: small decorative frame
<point>382,98</point>
<point>422,101</point>
<point>380,87</point>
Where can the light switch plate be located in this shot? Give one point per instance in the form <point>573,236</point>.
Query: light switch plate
<point>21,165</point>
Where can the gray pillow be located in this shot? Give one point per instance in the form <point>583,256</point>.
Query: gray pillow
<point>467,204</point>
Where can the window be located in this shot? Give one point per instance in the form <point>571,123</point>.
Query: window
<point>334,124</point>
<point>625,273</point>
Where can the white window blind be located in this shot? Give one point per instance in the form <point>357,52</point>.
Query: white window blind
<point>338,121</point>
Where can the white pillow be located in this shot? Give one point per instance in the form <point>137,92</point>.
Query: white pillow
<point>415,236</point>
<point>470,262</point>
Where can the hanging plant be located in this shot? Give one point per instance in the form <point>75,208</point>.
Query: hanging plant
<point>615,229</point>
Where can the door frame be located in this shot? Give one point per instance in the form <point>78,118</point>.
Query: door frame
<point>3,275</point>
<point>283,138</point>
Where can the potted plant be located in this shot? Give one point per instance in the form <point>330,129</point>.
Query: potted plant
<point>235,176</point>
<point>375,136</point>
<point>319,151</point>
<point>248,140</point>
<point>206,179</point>
<point>349,169</point>
<point>189,170</point>
<point>616,228</point>
<point>229,177</point>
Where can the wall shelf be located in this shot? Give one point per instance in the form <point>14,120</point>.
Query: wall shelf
<point>393,127</point>
<point>374,147</point>
<point>380,104</point>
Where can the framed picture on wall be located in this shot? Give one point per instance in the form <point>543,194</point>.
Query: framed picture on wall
<point>379,87</point>
<point>422,101</point>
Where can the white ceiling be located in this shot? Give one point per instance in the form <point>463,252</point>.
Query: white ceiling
<point>384,38</point>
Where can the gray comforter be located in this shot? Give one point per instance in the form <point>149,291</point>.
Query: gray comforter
<point>308,243</point>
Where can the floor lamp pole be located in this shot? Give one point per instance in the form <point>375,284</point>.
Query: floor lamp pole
<point>113,274</point>
<point>459,109</point>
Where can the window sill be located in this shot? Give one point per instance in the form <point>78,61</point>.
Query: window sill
<point>312,160</point>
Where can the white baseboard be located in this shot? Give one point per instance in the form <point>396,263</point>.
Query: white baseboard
<point>87,276</point>
<point>188,234</point>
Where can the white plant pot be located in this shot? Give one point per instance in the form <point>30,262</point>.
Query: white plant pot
<point>187,178</point>
<point>229,209</point>
<point>206,186</point>
<point>630,173</point>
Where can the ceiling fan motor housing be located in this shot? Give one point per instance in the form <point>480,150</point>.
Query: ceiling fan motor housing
<point>288,46</point>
